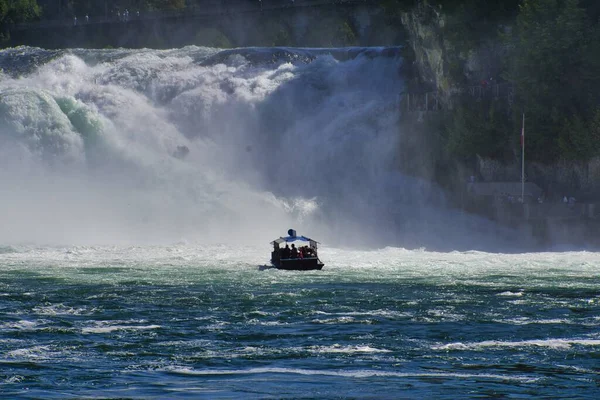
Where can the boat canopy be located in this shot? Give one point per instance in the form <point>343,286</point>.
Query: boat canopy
<point>289,239</point>
<point>293,238</point>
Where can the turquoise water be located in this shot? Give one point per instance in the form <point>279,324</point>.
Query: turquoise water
<point>191,321</point>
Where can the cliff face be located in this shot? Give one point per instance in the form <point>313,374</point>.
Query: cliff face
<point>424,27</point>
<point>446,57</point>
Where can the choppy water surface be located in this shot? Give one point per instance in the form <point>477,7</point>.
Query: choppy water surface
<point>194,321</point>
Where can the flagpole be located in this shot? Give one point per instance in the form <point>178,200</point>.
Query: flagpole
<point>523,160</point>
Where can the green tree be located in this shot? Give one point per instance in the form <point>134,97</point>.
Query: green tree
<point>3,9</point>
<point>580,140</point>
<point>479,128</point>
<point>16,11</point>
<point>548,69</point>
<point>23,11</point>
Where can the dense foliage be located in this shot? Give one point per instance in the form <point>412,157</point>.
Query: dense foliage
<point>555,67</point>
<point>15,11</point>
<point>552,60</point>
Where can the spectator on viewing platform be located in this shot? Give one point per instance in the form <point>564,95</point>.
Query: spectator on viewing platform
<point>87,18</point>
<point>75,21</point>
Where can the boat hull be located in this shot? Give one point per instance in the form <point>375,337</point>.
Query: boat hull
<point>298,264</point>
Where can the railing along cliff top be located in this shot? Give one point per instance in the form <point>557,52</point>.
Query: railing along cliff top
<point>434,101</point>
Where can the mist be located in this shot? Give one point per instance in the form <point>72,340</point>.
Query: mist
<point>202,145</point>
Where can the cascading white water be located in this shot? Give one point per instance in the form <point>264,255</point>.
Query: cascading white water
<point>94,147</point>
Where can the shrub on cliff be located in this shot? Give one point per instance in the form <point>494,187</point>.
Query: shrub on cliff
<point>479,128</point>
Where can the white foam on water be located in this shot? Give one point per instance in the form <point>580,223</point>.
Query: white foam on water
<point>36,352</point>
<point>62,309</point>
<point>339,320</point>
<point>555,344</point>
<point>13,379</point>
<point>511,294</point>
<point>23,325</point>
<point>337,348</point>
<point>357,374</point>
<point>113,328</point>
<point>529,321</point>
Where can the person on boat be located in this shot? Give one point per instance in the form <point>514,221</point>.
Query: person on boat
<point>309,252</point>
<point>305,252</point>
<point>294,251</point>
<point>285,252</point>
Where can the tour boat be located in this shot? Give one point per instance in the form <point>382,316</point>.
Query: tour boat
<point>301,258</point>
